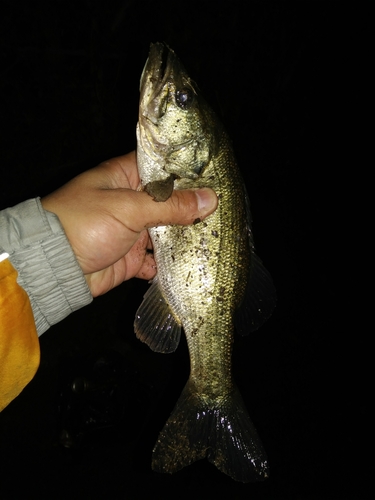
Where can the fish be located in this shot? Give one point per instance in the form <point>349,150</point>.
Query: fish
<point>209,279</point>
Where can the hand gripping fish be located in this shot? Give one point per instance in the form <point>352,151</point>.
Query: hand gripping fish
<point>209,278</point>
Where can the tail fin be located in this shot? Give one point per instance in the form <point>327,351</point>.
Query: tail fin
<point>223,433</point>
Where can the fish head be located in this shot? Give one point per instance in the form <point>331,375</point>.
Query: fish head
<point>175,138</point>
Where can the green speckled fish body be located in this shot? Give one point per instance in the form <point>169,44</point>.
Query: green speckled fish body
<point>205,273</point>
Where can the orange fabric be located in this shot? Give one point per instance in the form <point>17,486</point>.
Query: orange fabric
<point>19,343</point>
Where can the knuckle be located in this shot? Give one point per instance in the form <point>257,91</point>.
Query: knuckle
<point>184,206</point>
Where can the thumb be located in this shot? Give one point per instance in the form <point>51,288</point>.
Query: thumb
<point>183,207</point>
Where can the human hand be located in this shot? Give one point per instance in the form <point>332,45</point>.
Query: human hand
<point>106,220</point>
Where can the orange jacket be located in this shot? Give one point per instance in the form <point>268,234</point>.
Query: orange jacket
<point>19,343</point>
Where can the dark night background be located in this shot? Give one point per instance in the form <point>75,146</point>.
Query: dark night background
<point>276,73</point>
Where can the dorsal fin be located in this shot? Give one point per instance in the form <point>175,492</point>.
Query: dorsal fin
<point>259,299</point>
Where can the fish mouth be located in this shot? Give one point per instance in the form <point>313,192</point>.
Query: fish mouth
<point>156,72</point>
<point>162,73</point>
<point>164,55</point>
<point>157,77</point>
<point>158,65</point>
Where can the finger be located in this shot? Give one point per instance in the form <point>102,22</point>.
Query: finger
<point>122,171</point>
<point>148,268</point>
<point>183,207</point>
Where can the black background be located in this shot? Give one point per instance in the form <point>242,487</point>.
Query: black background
<point>277,74</point>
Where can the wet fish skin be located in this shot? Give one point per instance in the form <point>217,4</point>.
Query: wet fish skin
<point>205,273</point>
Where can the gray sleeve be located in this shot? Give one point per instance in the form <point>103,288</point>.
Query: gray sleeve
<point>47,268</point>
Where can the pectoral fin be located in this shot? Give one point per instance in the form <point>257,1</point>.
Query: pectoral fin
<point>155,324</point>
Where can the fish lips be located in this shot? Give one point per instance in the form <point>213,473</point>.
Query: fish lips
<point>162,71</point>
<point>158,67</point>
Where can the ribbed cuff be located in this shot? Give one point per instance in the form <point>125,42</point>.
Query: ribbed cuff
<point>47,268</point>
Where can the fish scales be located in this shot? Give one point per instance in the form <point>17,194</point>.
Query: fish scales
<point>204,273</point>
<point>198,277</point>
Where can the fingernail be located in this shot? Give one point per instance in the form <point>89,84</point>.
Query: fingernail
<point>207,200</point>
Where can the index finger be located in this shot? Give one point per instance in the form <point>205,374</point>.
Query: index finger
<point>121,171</point>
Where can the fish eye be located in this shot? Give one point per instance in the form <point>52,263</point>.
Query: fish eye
<point>184,98</point>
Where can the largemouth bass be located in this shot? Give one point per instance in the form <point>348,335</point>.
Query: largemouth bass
<point>208,275</point>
